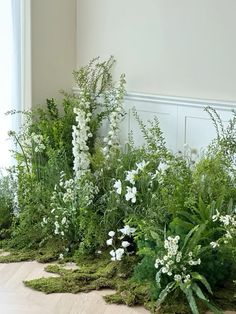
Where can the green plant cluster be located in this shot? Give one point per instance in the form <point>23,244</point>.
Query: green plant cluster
<point>75,186</point>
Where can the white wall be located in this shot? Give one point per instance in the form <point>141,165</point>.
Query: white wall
<point>53,47</point>
<point>183,48</point>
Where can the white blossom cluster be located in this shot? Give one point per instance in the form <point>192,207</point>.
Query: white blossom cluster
<point>63,206</point>
<point>173,263</point>
<point>81,133</point>
<point>32,142</point>
<point>38,144</point>
<point>117,254</point>
<point>115,99</point>
<point>131,175</point>
<point>67,197</point>
<point>228,222</point>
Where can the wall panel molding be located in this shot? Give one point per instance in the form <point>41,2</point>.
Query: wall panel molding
<point>182,120</point>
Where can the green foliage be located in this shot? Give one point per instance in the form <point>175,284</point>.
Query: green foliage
<point>74,186</point>
<point>6,207</point>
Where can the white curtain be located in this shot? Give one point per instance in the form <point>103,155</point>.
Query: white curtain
<point>10,73</point>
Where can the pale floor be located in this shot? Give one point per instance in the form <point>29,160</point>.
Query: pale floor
<point>15,298</point>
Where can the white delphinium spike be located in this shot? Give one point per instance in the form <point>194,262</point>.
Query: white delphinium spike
<point>81,133</point>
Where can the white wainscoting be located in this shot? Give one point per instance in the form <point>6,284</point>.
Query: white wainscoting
<point>182,120</point>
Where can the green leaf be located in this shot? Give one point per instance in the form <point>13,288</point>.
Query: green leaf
<point>158,278</point>
<point>196,236</point>
<point>165,292</point>
<point>191,300</point>
<point>203,280</point>
<point>214,309</point>
<point>188,236</point>
<point>199,292</point>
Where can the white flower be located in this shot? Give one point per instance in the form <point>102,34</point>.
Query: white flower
<point>109,241</point>
<point>80,136</point>
<point>127,230</point>
<point>125,244</point>
<point>131,176</point>
<point>118,187</point>
<point>162,166</point>
<point>111,234</point>
<point>214,245</point>
<point>177,277</point>
<point>157,263</point>
<point>225,219</point>
<point>131,194</point>
<point>228,235</point>
<point>63,220</point>
<point>187,278</point>
<point>61,256</point>
<point>164,270</point>
<point>141,165</point>
<point>119,254</point>
<point>216,217</point>
<point>112,253</point>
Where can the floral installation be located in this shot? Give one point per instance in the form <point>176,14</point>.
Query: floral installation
<point>74,184</point>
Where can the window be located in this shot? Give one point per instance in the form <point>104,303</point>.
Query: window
<point>14,68</point>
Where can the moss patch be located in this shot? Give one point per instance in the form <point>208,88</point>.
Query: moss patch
<point>98,273</point>
<point>44,255</point>
<point>95,274</point>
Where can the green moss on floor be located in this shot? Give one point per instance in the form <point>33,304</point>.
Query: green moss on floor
<point>44,255</point>
<point>101,273</point>
<point>98,273</point>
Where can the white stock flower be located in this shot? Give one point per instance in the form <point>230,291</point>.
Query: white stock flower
<point>119,254</point>
<point>111,234</point>
<point>131,194</point>
<point>125,244</point>
<point>118,187</point>
<point>112,253</point>
<point>109,241</point>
